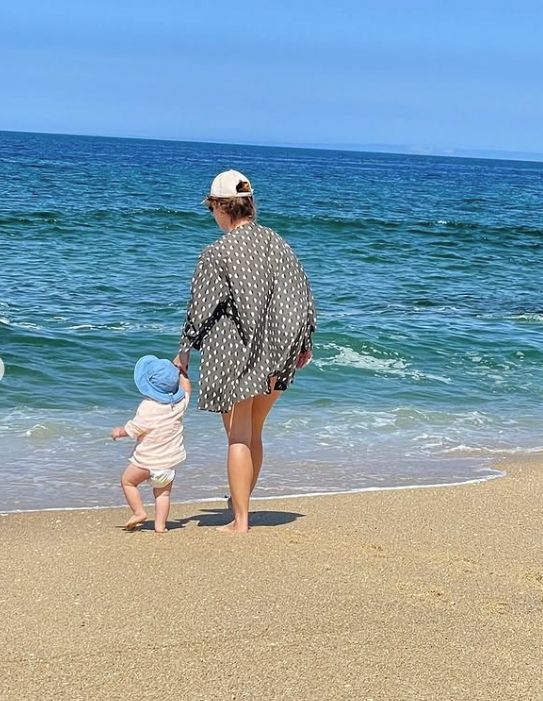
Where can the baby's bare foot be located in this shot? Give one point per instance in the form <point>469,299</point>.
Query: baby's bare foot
<point>233,527</point>
<point>135,521</point>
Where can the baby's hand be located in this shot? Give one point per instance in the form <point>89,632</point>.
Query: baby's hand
<point>118,432</point>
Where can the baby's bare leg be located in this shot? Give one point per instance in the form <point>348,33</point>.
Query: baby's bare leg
<point>131,478</point>
<point>162,506</point>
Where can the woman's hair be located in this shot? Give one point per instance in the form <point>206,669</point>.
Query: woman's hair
<point>236,207</point>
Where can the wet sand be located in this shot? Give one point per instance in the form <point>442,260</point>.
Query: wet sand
<point>413,594</point>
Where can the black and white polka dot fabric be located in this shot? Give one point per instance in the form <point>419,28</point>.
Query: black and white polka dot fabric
<point>251,313</point>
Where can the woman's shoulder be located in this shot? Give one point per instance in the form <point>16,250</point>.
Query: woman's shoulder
<point>261,228</point>
<point>234,242</point>
<point>266,234</point>
<point>211,252</point>
<point>278,241</point>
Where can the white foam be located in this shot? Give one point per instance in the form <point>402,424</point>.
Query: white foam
<point>484,450</point>
<point>28,325</point>
<point>527,317</point>
<point>121,326</point>
<point>348,357</point>
<point>35,428</point>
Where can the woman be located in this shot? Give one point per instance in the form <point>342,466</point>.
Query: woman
<point>251,315</point>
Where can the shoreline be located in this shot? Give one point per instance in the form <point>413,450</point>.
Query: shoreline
<point>501,474</point>
<point>404,595</point>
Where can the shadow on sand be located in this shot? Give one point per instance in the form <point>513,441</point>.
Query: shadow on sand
<point>209,518</point>
<point>220,517</point>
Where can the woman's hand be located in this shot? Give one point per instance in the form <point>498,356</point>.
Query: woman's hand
<point>181,361</point>
<point>185,384</point>
<point>304,359</point>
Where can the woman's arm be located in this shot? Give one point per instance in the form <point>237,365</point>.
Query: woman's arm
<point>306,352</point>
<point>185,385</point>
<point>209,294</point>
<point>181,361</point>
<point>311,322</point>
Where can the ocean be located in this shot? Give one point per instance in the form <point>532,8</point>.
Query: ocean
<point>427,272</point>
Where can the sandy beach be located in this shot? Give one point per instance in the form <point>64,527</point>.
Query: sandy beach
<point>413,594</point>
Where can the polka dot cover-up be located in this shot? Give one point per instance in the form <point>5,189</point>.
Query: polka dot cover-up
<point>251,314</point>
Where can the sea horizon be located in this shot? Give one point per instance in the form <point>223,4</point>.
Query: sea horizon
<point>384,149</point>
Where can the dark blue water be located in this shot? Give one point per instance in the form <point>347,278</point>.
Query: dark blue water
<point>427,274</point>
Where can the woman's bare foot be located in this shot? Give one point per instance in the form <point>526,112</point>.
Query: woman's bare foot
<point>135,521</point>
<point>233,527</point>
<point>161,530</point>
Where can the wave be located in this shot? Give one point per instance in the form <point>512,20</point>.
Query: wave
<point>31,217</point>
<point>36,429</point>
<point>80,217</point>
<point>536,317</point>
<point>115,326</point>
<point>496,451</point>
<point>134,218</point>
<point>365,224</point>
<point>124,326</point>
<point>348,357</point>
<point>26,325</point>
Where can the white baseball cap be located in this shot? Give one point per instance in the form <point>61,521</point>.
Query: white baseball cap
<point>226,185</point>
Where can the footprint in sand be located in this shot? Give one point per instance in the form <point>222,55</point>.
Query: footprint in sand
<point>500,608</point>
<point>535,577</point>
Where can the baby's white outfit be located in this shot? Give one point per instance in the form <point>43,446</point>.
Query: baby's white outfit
<point>158,429</point>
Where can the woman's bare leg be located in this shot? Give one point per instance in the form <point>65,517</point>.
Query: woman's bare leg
<point>238,425</point>
<point>130,479</point>
<point>162,506</point>
<point>261,408</point>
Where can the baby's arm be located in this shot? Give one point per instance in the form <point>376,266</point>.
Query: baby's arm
<point>135,428</point>
<point>118,432</point>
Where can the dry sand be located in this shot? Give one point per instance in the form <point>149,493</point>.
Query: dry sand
<point>416,594</point>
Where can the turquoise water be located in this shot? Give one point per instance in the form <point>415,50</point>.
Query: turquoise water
<point>427,274</point>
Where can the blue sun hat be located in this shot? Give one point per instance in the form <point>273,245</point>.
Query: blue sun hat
<point>158,379</point>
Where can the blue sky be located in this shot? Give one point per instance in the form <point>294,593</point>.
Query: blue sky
<point>412,75</point>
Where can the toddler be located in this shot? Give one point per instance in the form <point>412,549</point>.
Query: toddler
<point>158,430</point>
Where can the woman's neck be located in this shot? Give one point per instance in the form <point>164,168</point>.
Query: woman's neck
<point>239,223</point>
